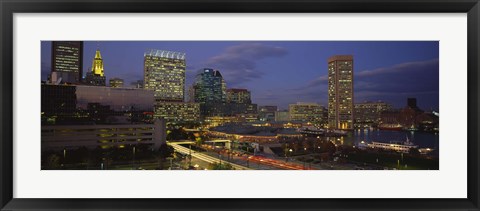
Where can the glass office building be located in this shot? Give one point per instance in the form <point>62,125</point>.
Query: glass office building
<point>209,90</point>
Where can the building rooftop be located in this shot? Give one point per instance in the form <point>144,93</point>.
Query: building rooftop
<point>237,90</point>
<point>165,54</point>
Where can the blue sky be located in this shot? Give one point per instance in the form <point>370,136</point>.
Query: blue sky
<point>284,72</point>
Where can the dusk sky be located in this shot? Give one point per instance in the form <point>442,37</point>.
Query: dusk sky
<point>284,72</point>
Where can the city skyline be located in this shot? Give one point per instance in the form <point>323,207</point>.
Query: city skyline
<point>285,72</point>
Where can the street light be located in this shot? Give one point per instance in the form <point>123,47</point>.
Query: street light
<point>171,162</point>
<point>290,153</point>
<point>133,162</point>
<point>64,156</point>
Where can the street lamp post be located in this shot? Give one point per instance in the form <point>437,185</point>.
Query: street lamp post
<point>64,156</point>
<point>290,153</point>
<point>133,161</point>
<point>190,156</point>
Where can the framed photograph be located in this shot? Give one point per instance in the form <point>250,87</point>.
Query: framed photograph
<point>263,105</point>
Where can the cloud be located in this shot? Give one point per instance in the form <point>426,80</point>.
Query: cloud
<point>411,77</point>
<point>391,84</point>
<point>238,64</point>
<point>318,81</point>
<point>398,68</point>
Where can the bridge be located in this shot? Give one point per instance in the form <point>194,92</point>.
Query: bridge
<point>219,141</point>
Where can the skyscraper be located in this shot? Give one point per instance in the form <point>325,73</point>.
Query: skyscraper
<point>340,92</point>
<point>209,89</point>
<point>96,77</point>
<point>67,61</point>
<point>164,72</point>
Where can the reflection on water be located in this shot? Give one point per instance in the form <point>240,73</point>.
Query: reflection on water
<point>422,139</point>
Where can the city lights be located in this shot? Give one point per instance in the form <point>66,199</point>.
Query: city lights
<point>238,105</point>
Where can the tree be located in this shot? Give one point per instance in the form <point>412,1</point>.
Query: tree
<point>53,162</point>
<point>165,151</point>
<point>221,166</point>
<point>177,134</point>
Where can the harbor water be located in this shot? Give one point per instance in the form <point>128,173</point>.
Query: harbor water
<point>422,139</point>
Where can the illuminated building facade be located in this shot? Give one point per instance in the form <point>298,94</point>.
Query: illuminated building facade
<point>306,112</point>
<point>96,77</point>
<point>116,82</point>
<point>64,104</point>
<point>282,116</point>
<point>241,96</point>
<point>340,92</point>
<point>368,114</point>
<point>209,90</point>
<point>267,113</point>
<point>164,73</point>
<point>177,112</point>
<point>232,109</point>
<point>67,61</point>
<point>104,136</point>
<point>215,121</point>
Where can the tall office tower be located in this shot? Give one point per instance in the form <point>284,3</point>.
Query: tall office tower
<point>96,77</point>
<point>340,92</point>
<point>210,91</point>
<point>164,72</point>
<point>209,87</point>
<point>238,96</point>
<point>116,82</point>
<point>67,61</point>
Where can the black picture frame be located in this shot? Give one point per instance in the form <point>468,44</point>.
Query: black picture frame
<point>10,7</point>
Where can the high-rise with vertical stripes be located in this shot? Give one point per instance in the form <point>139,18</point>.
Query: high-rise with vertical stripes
<point>340,92</point>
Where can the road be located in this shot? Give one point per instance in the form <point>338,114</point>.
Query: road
<point>203,157</point>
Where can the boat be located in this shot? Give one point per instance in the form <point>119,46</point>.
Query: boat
<point>311,131</point>
<point>395,127</point>
<point>425,151</point>
<point>404,147</point>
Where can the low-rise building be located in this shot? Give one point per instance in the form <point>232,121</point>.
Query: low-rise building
<point>177,112</point>
<point>54,137</point>
<point>307,112</point>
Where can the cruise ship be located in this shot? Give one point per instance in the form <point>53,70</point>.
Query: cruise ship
<point>404,147</point>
